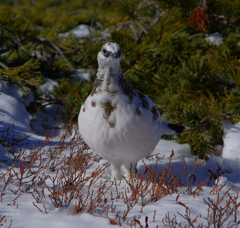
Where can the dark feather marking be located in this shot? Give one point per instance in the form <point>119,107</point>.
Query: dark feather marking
<point>126,87</point>
<point>138,112</point>
<point>155,113</point>
<point>97,84</point>
<point>142,97</point>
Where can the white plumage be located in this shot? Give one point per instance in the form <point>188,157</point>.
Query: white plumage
<point>119,123</point>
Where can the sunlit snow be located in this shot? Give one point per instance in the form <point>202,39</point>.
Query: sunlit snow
<point>17,210</point>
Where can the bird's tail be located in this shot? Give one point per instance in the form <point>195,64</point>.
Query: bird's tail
<point>171,129</point>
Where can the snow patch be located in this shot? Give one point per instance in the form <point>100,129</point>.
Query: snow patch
<point>214,38</point>
<point>14,91</point>
<point>231,149</point>
<point>81,31</point>
<point>13,112</point>
<point>48,86</point>
<point>81,74</point>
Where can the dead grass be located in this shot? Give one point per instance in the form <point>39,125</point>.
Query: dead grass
<point>53,177</point>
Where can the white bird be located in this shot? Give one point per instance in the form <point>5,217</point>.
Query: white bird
<point>119,123</point>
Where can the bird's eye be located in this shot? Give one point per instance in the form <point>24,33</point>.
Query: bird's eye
<point>104,51</point>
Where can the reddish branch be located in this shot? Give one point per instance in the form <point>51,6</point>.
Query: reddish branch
<point>199,19</point>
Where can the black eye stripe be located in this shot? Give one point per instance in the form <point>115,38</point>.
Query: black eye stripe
<point>107,53</point>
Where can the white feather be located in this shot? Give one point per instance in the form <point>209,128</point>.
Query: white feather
<point>117,122</point>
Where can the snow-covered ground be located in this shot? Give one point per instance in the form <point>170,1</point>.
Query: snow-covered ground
<point>58,182</point>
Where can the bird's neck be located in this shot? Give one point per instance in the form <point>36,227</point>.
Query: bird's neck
<point>111,80</point>
<point>108,76</point>
<point>109,73</point>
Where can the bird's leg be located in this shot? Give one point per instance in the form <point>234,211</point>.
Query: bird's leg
<point>116,171</point>
<point>130,169</point>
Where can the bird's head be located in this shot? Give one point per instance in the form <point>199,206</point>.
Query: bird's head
<point>110,55</point>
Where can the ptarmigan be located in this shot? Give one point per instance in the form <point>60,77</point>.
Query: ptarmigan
<point>119,123</point>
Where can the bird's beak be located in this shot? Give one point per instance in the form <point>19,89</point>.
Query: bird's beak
<point>115,55</point>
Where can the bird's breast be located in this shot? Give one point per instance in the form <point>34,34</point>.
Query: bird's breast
<point>106,120</point>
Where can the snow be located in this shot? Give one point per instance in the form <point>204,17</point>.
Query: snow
<point>48,86</point>
<point>185,200</point>
<point>13,90</point>
<point>13,112</point>
<point>47,117</point>
<point>214,38</point>
<point>231,149</point>
<point>81,74</point>
<point>82,30</point>
<point>52,219</point>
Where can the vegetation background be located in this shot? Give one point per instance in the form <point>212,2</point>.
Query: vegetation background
<point>166,55</point>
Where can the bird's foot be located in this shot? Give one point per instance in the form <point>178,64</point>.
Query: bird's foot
<point>116,172</point>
